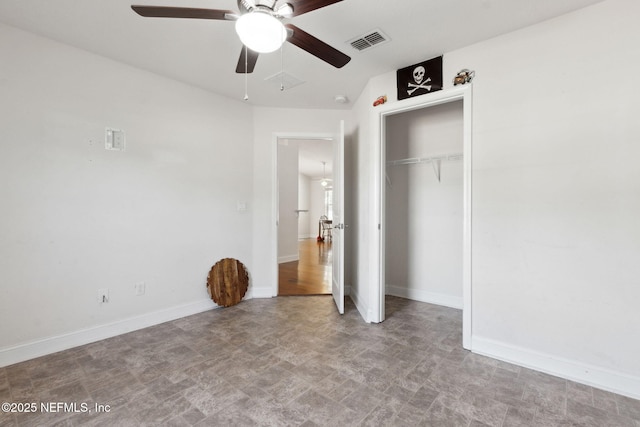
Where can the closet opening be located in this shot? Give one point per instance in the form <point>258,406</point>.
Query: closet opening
<point>425,203</point>
<point>423,207</point>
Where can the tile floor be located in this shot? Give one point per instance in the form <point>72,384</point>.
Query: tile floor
<point>292,361</point>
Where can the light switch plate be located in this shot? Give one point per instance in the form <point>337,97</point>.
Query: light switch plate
<point>114,139</point>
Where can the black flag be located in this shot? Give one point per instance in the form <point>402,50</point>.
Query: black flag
<point>421,78</point>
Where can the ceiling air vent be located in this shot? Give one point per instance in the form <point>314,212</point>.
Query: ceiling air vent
<point>368,40</point>
<point>284,80</point>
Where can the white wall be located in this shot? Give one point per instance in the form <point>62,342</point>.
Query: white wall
<point>423,245</point>
<point>317,205</point>
<point>556,240</point>
<point>556,185</point>
<point>287,201</point>
<point>304,202</point>
<point>76,218</point>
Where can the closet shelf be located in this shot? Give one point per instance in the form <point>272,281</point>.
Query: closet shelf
<point>416,160</point>
<point>434,160</point>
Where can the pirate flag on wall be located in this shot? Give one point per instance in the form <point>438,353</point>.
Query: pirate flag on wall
<point>419,79</point>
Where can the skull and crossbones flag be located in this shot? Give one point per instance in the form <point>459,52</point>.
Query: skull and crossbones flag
<point>421,78</point>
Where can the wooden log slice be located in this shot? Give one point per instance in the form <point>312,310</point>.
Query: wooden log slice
<point>227,282</point>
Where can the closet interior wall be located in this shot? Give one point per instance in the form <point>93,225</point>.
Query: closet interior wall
<point>424,204</point>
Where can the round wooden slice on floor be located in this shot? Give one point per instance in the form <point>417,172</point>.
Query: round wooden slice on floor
<point>227,282</point>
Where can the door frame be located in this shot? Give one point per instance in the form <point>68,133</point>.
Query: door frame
<point>275,137</point>
<point>339,221</point>
<point>463,93</point>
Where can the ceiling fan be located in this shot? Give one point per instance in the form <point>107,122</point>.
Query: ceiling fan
<point>260,28</point>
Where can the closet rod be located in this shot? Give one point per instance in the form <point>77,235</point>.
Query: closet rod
<point>434,160</point>
<point>416,160</point>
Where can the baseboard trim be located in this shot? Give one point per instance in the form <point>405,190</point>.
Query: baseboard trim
<point>264,292</point>
<point>425,296</point>
<point>590,375</point>
<point>359,303</point>
<point>33,349</point>
<point>288,258</point>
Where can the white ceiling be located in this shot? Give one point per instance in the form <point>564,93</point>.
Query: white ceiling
<point>315,156</point>
<point>204,53</point>
<point>311,154</point>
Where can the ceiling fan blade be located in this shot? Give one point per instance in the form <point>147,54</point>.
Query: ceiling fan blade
<point>251,59</point>
<point>316,47</point>
<point>183,12</point>
<point>304,6</point>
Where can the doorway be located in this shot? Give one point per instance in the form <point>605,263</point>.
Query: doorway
<point>305,186</point>
<point>458,94</point>
<point>423,209</point>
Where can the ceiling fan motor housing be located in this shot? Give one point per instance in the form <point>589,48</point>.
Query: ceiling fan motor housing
<point>285,10</point>
<point>247,5</point>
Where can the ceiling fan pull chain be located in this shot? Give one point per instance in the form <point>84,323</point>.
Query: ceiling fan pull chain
<point>246,73</point>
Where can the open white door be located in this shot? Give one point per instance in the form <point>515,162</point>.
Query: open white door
<point>337,245</point>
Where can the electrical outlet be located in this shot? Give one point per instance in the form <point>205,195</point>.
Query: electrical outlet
<point>140,288</point>
<point>103,295</point>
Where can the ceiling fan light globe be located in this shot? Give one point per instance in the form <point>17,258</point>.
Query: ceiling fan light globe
<point>261,32</point>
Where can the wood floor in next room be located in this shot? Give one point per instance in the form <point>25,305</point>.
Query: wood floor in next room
<point>311,274</point>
